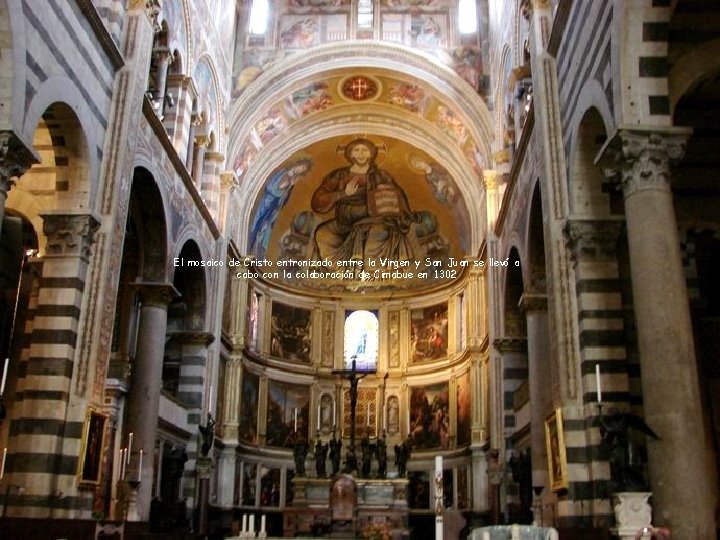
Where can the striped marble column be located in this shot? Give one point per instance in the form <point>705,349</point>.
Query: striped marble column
<point>47,438</point>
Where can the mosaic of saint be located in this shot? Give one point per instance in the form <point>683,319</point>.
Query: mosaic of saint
<point>390,217</point>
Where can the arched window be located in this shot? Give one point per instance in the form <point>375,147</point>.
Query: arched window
<point>361,340</point>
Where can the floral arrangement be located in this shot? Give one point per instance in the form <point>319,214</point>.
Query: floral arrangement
<point>376,531</point>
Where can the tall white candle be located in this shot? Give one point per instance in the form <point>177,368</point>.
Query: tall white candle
<point>334,415</point>
<point>244,528</point>
<point>2,465</point>
<point>295,414</point>
<point>251,527</point>
<point>4,376</point>
<point>129,448</point>
<point>597,382</point>
<point>210,398</point>
<point>318,421</point>
<point>367,416</point>
<point>262,523</point>
<point>123,461</point>
<point>140,466</point>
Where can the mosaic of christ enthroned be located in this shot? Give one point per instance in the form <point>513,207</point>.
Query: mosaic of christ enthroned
<point>377,212</point>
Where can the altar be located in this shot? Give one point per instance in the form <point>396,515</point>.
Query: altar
<point>322,506</point>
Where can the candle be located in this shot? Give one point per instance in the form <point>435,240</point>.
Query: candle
<point>4,377</point>
<point>244,529</point>
<point>129,448</point>
<point>334,415</point>
<point>2,465</point>
<point>597,382</point>
<point>318,417</point>
<point>367,416</point>
<point>123,461</point>
<point>262,523</point>
<point>140,466</point>
<point>251,527</point>
<point>295,414</point>
<point>385,419</point>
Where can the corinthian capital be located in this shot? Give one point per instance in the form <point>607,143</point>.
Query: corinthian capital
<point>69,235</point>
<point>15,159</point>
<point>641,158</point>
<point>593,239</point>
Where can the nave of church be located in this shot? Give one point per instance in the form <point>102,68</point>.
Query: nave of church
<point>359,268</point>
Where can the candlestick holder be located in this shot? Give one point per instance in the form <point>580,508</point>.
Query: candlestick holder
<point>132,509</point>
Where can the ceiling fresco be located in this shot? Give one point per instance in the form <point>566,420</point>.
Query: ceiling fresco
<point>407,96</point>
<point>364,213</point>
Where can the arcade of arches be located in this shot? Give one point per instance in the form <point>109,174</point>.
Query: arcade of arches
<point>203,227</point>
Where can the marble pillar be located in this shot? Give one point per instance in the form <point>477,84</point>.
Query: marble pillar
<point>163,57</point>
<point>683,477</point>
<point>535,307</point>
<point>145,384</point>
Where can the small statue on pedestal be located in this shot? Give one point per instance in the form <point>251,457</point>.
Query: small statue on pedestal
<point>402,456</point>
<point>335,449</point>
<point>625,468</point>
<point>321,452</point>
<point>366,456</point>
<point>381,455</point>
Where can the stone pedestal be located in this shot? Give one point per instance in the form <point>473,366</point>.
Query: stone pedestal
<point>632,513</point>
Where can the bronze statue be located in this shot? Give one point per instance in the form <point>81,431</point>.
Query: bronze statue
<point>300,452</point>
<point>402,456</point>
<point>381,456</point>
<point>366,456</point>
<point>335,449</point>
<point>626,472</point>
<point>321,452</point>
<point>207,434</point>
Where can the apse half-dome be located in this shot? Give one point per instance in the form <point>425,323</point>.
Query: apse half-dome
<point>359,212</point>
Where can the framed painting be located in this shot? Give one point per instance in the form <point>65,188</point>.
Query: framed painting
<point>247,430</point>
<point>288,406</point>
<point>429,416</point>
<point>93,441</point>
<point>557,458</point>
<point>290,332</point>
<point>429,333</point>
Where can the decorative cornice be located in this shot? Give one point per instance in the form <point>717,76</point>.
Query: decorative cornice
<point>228,181</point>
<point>510,344</point>
<point>193,338</point>
<point>156,294</point>
<point>593,239</point>
<point>641,157</point>
<point>533,302</point>
<point>69,235</point>
<point>106,41</point>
